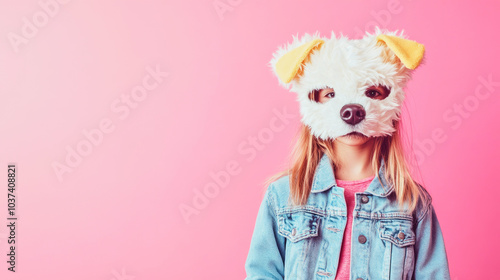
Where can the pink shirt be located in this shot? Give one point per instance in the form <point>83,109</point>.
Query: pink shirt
<point>350,188</point>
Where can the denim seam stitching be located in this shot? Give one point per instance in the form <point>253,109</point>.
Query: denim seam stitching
<point>271,204</point>
<point>426,210</point>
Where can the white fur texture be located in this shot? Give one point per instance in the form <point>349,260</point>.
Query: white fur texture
<point>349,67</point>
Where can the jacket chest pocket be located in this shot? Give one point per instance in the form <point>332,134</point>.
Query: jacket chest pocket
<point>299,225</point>
<point>399,239</point>
<point>302,249</point>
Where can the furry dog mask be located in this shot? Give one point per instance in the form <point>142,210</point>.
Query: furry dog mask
<point>367,77</point>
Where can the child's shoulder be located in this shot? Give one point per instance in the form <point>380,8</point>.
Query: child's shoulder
<point>424,201</point>
<point>278,190</point>
<point>280,186</point>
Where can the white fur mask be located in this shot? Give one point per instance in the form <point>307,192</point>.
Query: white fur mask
<point>356,70</point>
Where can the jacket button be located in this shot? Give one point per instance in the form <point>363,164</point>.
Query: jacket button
<point>364,198</point>
<point>294,231</point>
<point>362,239</point>
<point>401,235</point>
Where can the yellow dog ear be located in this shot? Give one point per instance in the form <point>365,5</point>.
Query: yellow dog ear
<point>409,52</point>
<point>289,65</point>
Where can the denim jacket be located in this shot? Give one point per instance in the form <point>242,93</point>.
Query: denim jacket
<point>303,242</point>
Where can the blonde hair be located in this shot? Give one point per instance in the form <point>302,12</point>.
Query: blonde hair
<point>308,151</point>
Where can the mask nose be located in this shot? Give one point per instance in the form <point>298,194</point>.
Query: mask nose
<point>352,113</point>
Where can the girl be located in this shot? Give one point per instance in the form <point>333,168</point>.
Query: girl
<point>347,208</point>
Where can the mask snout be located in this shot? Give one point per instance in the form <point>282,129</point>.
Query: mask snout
<point>352,113</point>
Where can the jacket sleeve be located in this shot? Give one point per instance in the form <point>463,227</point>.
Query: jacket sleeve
<point>266,256</point>
<point>431,261</point>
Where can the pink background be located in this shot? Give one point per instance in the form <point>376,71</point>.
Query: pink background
<point>116,213</point>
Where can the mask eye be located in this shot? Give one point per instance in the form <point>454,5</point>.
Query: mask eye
<point>326,94</point>
<point>377,92</point>
<point>322,95</point>
<point>330,94</point>
<point>373,93</point>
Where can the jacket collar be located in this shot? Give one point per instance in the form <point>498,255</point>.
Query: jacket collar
<point>324,179</point>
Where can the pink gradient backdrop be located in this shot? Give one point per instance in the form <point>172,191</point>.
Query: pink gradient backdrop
<point>116,214</point>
